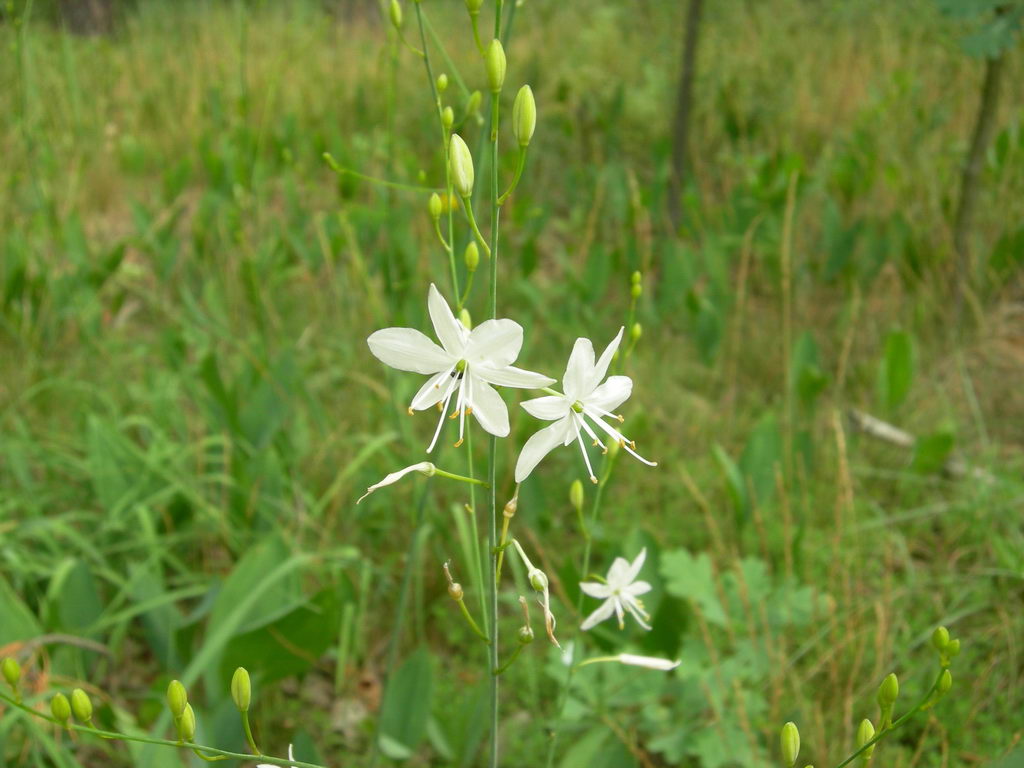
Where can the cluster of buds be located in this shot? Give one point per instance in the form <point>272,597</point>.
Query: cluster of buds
<point>181,711</point>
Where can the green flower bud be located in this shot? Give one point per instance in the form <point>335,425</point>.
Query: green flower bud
<point>434,206</point>
<point>576,495</point>
<point>460,163</point>
<point>442,83</point>
<point>465,319</point>
<point>524,116</point>
<point>472,256</point>
<point>865,733</point>
<point>473,105</point>
<point>636,277</point>
<point>473,6</point>
<point>396,14</point>
<point>940,639</point>
<point>11,672</point>
<point>525,635</point>
<point>790,740</point>
<point>241,689</point>
<point>953,649</point>
<point>81,705</point>
<point>636,332</point>
<point>61,708</point>
<point>888,691</point>
<point>945,682</point>
<point>539,580</point>
<point>635,290</point>
<point>187,724</point>
<point>177,699</point>
<point>447,118</point>
<point>494,60</point>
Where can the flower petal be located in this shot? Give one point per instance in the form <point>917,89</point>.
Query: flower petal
<point>495,342</point>
<point>548,408</point>
<point>433,391</point>
<point>618,574</point>
<point>488,407</point>
<point>637,588</point>
<point>647,661</point>
<point>539,445</point>
<point>408,350</point>
<point>635,566</point>
<point>599,370</point>
<point>612,393</point>
<point>578,370</point>
<point>451,333</point>
<point>603,612</point>
<point>510,376</point>
<point>595,589</point>
<point>424,467</point>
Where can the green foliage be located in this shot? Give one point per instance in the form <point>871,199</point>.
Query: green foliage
<point>997,24</point>
<point>896,372</point>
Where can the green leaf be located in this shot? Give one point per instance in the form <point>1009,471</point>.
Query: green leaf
<point>733,482</point>
<point>931,451</point>
<point>692,578</point>
<point>17,622</point>
<point>896,373</point>
<point>406,708</point>
<point>761,456</point>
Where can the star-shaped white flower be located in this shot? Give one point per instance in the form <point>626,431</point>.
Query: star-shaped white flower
<point>619,592</point>
<point>585,398</point>
<point>291,758</point>
<point>464,367</point>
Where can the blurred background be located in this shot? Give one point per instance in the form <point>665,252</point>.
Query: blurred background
<point>188,409</point>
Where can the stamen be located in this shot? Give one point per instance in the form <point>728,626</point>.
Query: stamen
<point>443,408</point>
<point>586,458</point>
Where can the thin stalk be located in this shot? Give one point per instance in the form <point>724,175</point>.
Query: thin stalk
<point>342,171</point>
<point>472,622</point>
<point>512,658</point>
<point>248,734</point>
<point>478,565</point>
<point>515,179</point>
<point>444,55</point>
<point>468,202</point>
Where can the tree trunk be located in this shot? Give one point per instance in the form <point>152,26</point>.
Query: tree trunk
<point>684,109</point>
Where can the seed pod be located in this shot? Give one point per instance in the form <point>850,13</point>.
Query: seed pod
<point>524,116</point>
<point>177,699</point>
<point>61,708</point>
<point>525,635</point>
<point>460,163</point>
<point>241,689</point>
<point>473,6</point>
<point>790,742</point>
<point>81,705</point>
<point>538,580</point>
<point>494,60</point>
<point>455,591</point>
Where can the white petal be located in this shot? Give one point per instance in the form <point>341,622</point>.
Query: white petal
<point>647,661</point>
<point>595,589</point>
<point>548,408</point>
<point>635,566</point>
<point>539,445</point>
<point>599,371</point>
<point>496,342</point>
<point>424,466</point>
<point>618,574</point>
<point>489,408</point>
<point>510,376</point>
<point>637,588</point>
<point>408,350</point>
<point>612,393</point>
<point>603,612</point>
<point>578,370</point>
<point>450,332</point>
<point>433,391</point>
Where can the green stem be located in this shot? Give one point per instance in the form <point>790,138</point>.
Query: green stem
<point>515,655</point>
<point>460,478</point>
<point>473,625</point>
<point>468,204</point>
<point>116,736</point>
<point>329,159</point>
<point>465,293</point>
<point>515,180</point>
<point>248,734</point>
<point>478,565</point>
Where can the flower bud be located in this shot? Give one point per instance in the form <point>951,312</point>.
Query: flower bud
<point>953,648</point>
<point>636,277</point>
<point>473,6</point>
<point>865,733</point>
<point>790,740</point>
<point>177,699</point>
<point>442,83</point>
<point>61,708</point>
<point>473,105</point>
<point>494,60</point>
<point>465,319</point>
<point>455,591</point>
<point>636,332</point>
<point>888,691</point>
<point>187,724</point>
<point>472,256</point>
<point>434,206</point>
<point>635,290</point>
<point>945,682</point>
<point>940,639</point>
<point>241,689</point>
<point>524,116</point>
<point>538,580</point>
<point>525,635</point>
<point>447,118</point>
<point>396,14</point>
<point>576,495</point>
<point>81,705</point>
<point>12,672</point>
<point>460,163</point>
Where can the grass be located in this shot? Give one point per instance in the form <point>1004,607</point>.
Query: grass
<point>187,404</point>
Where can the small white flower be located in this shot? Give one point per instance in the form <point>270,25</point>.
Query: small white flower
<point>465,366</point>
<point>291,757</point>
<point>619,592</point>
<point>585,398</point>
<point>424,467</point>
<point>651,662</point>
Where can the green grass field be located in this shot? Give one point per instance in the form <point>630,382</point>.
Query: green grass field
<point>189,410</point>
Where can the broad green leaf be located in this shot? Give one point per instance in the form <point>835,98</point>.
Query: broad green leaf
<point>761,456</point>
<point>406,707</point>
<point>931,451</point>
<point>692,578</point>
<point>896,373</point>
<point>734,483</point>
<point>17,622</point>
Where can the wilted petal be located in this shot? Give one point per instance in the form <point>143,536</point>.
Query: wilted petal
<point>451,332</point>
<point>510,376</point>
<point>424,467</point>
<point>612,393</point>
<point>539,445</point>
<point>408,350</point>
<point>578,370</point>
<point>647,661</point>
<point>495,342</point>
<point>603,612</point>
<point>601,368</point>
<point>489,408</point>
<point>549,408</point>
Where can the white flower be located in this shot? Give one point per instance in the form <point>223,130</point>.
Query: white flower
<point>619,592</point>
<point>465,365</point>
<point>291,757</point>
<point>424,467</point>
<point>651,662</point>
<point>585,397</point>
